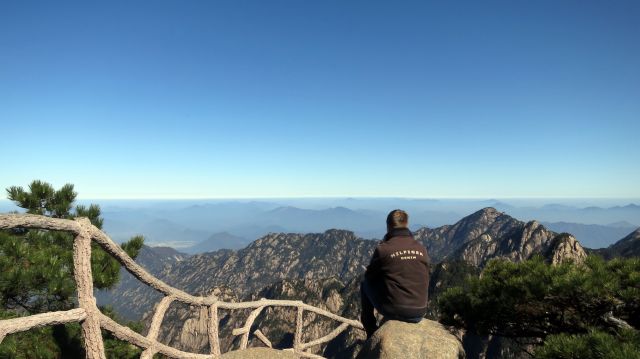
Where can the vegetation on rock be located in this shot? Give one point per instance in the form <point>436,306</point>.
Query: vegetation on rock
<point>568,307</point>
<point>623,344</point>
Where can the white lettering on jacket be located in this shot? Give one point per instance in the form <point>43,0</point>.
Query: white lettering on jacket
<point>406,254</point>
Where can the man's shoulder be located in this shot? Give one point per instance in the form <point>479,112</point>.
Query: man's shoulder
<point>394,243</point>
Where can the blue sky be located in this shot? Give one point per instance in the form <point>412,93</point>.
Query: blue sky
<point>209,99</point>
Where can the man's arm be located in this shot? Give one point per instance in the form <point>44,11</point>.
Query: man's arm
<point>374,265</point>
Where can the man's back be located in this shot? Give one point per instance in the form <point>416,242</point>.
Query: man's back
<point>399,274</point>
<point>397,279</point>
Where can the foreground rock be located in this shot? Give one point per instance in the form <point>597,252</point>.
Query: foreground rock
<point>259,353</point>
<point>427,339</point>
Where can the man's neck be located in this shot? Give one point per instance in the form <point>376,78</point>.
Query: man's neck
<point>398,232</point>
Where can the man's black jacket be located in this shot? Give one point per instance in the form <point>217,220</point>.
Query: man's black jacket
<point>399,274</point>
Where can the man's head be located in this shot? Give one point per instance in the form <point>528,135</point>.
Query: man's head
<point>397,219</point>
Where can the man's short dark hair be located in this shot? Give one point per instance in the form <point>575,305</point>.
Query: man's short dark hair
<point>397,219</point>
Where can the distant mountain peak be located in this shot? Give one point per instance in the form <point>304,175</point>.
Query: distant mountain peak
<point>284,209</point>
<point>165,251</point>
<point>340,209</point>
<point>533,224</point>
<point>334,231</point>
<point>489,233</point>
<point>485,215</point>
<point>489,211</point>
<point>621,224</point>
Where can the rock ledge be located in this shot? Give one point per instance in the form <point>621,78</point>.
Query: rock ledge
<point>427,339</point>
<point>259,353</point>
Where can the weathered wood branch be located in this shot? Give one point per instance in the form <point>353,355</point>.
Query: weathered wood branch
<point>128,335</point>
<point>16,325</point>
<point>214,340</point>
<point>263,338</point>
<point>91,334</point>
<point>290,303</point>
<point>156,322</point>
<point>247,327</point>
<point>137,271</point>
<point>93,320</point>
<point>334,333</point>
<point>34,221</point>
<point>297,338</point>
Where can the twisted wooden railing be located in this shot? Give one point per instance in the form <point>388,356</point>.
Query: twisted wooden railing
<point>92,320</point>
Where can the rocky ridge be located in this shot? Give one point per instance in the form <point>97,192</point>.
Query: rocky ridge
<point>324,269</point>
<point>628,246</point>
<point>273,258</point>
<point>489,234</point>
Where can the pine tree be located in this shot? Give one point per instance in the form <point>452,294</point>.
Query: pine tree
<point>37,274</point>
<point>596,344</point>
<point>568,306</point>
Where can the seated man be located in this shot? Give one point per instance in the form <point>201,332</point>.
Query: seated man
<point>397,279</point>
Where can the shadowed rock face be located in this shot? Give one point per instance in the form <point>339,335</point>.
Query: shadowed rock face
<point>427,339</point>
<point>565,248</point>
<point>628,246</point>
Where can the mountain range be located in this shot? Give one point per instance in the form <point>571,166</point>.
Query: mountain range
<point>184,224</point>
<point>593,235</point>
<point>325,269</point>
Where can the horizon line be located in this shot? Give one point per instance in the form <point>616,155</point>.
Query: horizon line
<point>497,198</point>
